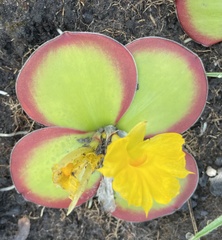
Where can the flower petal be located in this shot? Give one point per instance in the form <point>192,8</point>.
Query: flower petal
<point>128,188</point>
<point>165,145</point>
<point>149,172</point>
<point>136,135</point>
<point>162,186</point>
<point>116,159</point>
<point>170,159</point>
<point>130,213</point>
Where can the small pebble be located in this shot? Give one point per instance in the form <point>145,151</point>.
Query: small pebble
<point>203,198</point>
<point>195,196</point>
<point>211,172</point>
<point>218,161</point>
<point>203,213</point>
<point>216,184</point>
<point>200,214</point>
<point>189,236</point>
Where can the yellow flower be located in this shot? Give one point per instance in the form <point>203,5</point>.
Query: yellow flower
<point>146,171</point>
<point>74,170</point>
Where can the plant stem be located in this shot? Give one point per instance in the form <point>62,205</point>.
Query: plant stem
<point>214,74</point>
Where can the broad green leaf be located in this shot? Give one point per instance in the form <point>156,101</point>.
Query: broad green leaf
<point>172,87</point>
<point>31,165</point>
<point>201,20</point>
<point>80,80</point>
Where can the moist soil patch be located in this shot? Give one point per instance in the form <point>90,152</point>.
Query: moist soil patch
<point>24,25</point>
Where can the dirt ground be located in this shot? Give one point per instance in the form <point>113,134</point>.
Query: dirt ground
<point>24,25</point>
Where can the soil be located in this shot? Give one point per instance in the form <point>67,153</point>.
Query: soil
<point>24,25</point>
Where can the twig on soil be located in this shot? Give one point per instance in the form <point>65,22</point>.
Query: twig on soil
<point>158,235</point>
<point>32,217</point>
<point>203,128</point>
<point>4,93</point>
<point>62,215</point>
<point>153,20</point>
<point>21,120</point>
<point>7,188</point>
<point>90,202</point>
<point>59,31</point>
<point>40,215</point>
<point>42,211</point>
<point>190,150</point>
<point>192,217</point>
<point>23,228</point>
<point>13,134</point>
<point>117,228</point>
<point>115,233</point>
<point>187,40</point>
<point>28,53</point>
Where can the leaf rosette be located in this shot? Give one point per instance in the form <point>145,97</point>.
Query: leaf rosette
<point>77,85</point>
